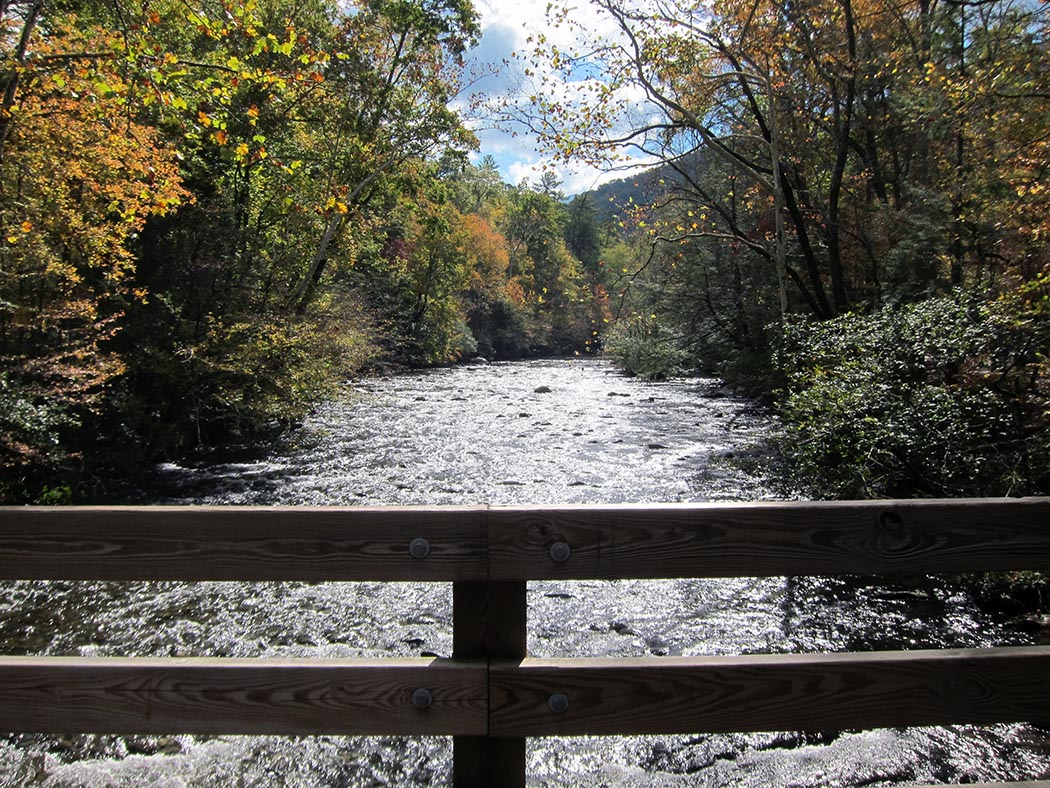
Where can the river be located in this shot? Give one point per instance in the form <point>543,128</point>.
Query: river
<point>555,431</point>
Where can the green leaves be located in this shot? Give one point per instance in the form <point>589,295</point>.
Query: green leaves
<point>934,399</point>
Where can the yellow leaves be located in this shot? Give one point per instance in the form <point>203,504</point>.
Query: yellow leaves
<point>203,118</point>
<point>241,151</point>
<point>336,204</point>
<point>220,137</point>
<point>61,271</point>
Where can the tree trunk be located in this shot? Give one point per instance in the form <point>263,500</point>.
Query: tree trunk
<point>305,290</point>
<point>12,79</point>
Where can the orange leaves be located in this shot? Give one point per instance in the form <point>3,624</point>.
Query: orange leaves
<point>84,192</point>
<point>485,250</point>
<point>334,204</point>
<point>84,177</point>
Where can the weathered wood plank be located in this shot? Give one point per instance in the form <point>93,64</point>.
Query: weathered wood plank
<point>768,539</point>
<point>246,696</point>
<point>697,540</point>
<point>238,543</point>
<point>769,693</point>
<point>489,622</point>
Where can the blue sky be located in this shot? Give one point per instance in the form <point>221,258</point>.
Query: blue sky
<point>506,26</point>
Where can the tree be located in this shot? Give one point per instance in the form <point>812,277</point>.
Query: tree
<point>165,164</point>
<point>386,102</point>
<point>847,116</point>
<point>79,179</point>
<point>582,233</point>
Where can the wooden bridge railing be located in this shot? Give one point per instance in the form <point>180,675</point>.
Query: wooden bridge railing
<point>489,696</point>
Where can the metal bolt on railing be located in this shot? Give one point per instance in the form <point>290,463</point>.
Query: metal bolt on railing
<point>558,703</point>
<point>419,548</point>
<point>422,699</point>
<point>560,552</point>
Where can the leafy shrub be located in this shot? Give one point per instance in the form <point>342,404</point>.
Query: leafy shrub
<point>644,348</point>
<point>946,397</point>
<point>31,426</point>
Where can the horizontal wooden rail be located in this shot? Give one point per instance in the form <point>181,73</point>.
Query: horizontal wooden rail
<point>241,543</point>
<point>521,698</point>
<point>242,696</point>
<point>659,695</point>
<point>770,539</point>
<point>524,543</point>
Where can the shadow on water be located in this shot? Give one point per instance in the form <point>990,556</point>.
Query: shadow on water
<point>535,432</point>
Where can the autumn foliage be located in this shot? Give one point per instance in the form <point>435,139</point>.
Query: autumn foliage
<point>830,163</point>
<point>212,214</point>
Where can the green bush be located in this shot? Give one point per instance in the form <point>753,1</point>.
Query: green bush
<point>943,398</point>
<point>643,347</point>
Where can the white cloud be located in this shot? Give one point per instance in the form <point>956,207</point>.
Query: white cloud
<point>506,29</point>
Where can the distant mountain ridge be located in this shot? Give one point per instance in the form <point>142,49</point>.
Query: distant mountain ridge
<point>642,188</point>
<point>612,198</point>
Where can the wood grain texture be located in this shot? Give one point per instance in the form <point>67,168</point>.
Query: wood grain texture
<point>770,539</point>
<point>246,696</point>
<point>490,622</point>
<point>770,693</point>
<point>512,544</point>
<point>238,543</point>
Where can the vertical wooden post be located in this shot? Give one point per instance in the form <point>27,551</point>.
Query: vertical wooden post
<point>489,622</point>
